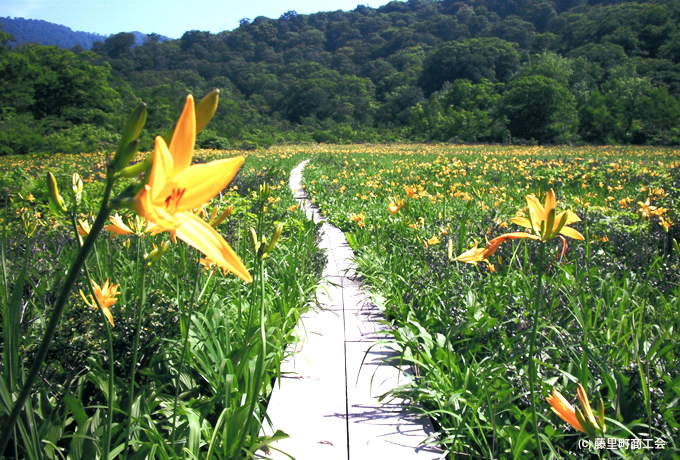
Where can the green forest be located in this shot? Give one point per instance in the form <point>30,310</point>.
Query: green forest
<point>474,71</point>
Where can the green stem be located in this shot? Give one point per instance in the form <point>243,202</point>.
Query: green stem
<point>50,330</point>
<point>141,276</point>
<point>259,368</point>
<point>109,336</point>
<point>532,348</point>
<point>184,350</point>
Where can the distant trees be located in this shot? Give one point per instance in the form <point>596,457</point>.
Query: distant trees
<point>47,91</point>
<point>543,71</point>
<point>474,59</point>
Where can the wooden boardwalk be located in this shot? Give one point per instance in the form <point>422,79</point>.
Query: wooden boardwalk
<point>327,398</point>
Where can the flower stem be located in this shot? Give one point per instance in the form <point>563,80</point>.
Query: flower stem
<point>532,347</point>
<point>141,276</point>
<point>50,330</point>
<point>259,367</point>
<point>109,340</point>
<point>184,350</point>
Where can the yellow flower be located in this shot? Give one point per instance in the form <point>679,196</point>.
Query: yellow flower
<point>543,221</point>
<point>83,227</point>
<point>665,223</point>
<point>175,187</point>
<point>394,208</point>
<point>105,296</point>
<point>646,209</point>
<point>590,423</point>
<point>432,241</point>
<point>471,256</point>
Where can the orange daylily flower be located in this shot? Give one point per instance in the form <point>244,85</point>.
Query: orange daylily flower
<point>584,421</point>
<point>564,409</point>
<point>105,295</point>
<point>394,208</point>
<point>117,227</point>
<point>175,187</point>
<point>83,227</point>
<point>543,221</point>
<point>471,256</point>
<point>432,241</point>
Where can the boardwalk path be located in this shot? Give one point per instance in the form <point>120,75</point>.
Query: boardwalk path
<point>327,401</point>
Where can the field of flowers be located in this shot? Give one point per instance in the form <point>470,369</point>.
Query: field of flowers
<point>507,306</point>
<point>156,349</point>
<point>494,302</point>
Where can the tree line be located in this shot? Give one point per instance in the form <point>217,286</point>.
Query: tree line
<point>525,71</point>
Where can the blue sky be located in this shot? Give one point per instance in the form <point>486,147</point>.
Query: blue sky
<point>166,17</point>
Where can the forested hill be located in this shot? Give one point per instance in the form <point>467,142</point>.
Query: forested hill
<point>47,33</point>
<point>545,71</point>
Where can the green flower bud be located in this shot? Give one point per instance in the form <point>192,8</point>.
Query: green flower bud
<point>55,199</point>
<point>205,109</point>
<point>77,187</point>
<point>254,240</point>
<point>275,237</point>
<point>264,191</point>
<point>128,144</point>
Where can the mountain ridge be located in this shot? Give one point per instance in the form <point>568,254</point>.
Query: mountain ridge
<point>48,33</point>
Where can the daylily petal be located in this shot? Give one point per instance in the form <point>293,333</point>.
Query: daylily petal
<point>522,222</point>
<point>536,206</point>
<point>161,167</point>
<point>571,233</point>
<point>203,181</point>
<point>492,245</point>
<point>550,201</point>
<point>199,234</point>
<point>117,227</point>
<point>571,218</point>
<point>184,137</point>
<point>585,404</point>
<point>564,409</point>
<point>108,314</point>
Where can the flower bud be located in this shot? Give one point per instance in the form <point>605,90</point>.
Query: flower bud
<point>222,217</point>
<point>128,144</point>
<point>77,187</point>
<point>156,253</point>
<point>55,199</point>
<point>254,240</point>
<point>205,109</point>
<point>264,192</point>
<point>275,237</point>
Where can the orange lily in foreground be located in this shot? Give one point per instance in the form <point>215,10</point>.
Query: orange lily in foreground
<point>175,187</point>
